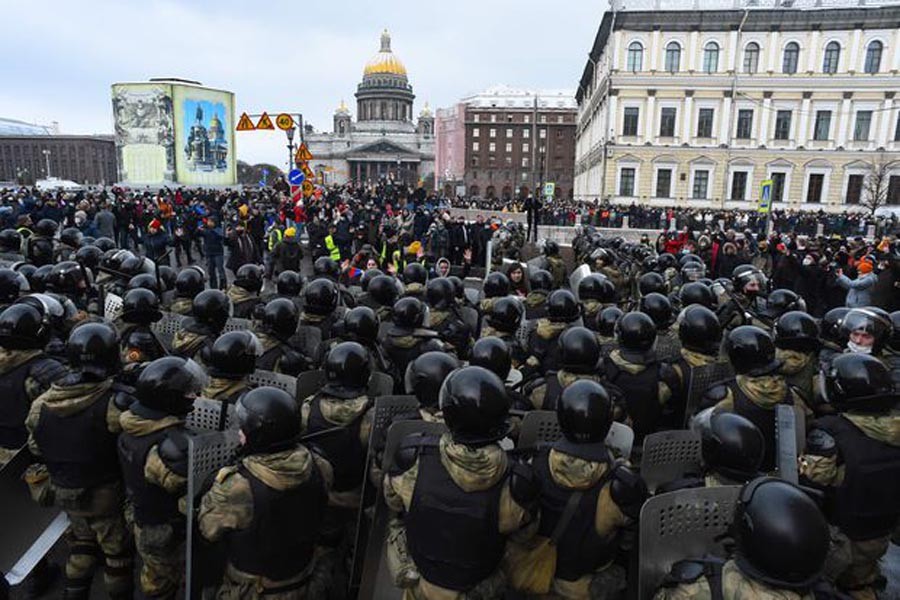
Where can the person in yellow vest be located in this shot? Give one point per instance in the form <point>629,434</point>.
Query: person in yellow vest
<point>331,246</point>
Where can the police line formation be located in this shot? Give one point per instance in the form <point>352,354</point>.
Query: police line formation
<point>630,343</point>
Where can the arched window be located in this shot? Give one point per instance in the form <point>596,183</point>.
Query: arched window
<point>751,58</point>
<point>673,57</point>
<point>832,57</point>
<point>791,58</point>
<point>635,57</point>
<point>711,58</point>
<point>873,57</point>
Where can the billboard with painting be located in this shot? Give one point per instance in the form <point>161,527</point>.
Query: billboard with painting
<point>204,136</point>
<point>144,132</point>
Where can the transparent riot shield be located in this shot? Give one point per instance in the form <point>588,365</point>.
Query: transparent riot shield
<point>576,277</point>
<point>786,443</point>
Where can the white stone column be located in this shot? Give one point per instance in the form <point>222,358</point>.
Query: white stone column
<point>803,136</point>
<point>687,119</point>
<point>763,116</point>
<point>813,60</point>
<point>853,56</point>
<point>692,50</point>
<point>895,61</point>
<point>843,121</point>
<point>654,50</point>
<point>649,119</point>
<point>733,52</point>
<point>725,124</point>
<point>613,117</point>
<point>884,130</point>
<point>772,53</point>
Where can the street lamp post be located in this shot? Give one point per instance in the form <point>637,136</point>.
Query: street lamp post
<point>290,146</point>
<point>46,154</point>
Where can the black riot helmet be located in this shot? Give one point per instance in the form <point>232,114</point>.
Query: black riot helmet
<point>347,367</point>
<point>367,278</point>
<point>22,327</point>
<point>689,258</point>
<point>658,308</point>
<point>458,288</point>
<point>859,382</point>
<point>141,306</point>
<point>167,277</point>
<point>71,237</point>
<point>579,350</point>
<point>12,284</point>
<point>782,537</point>
<point>40,250</point>
<point>831,326</point>
<point>636,332</point>
<point>269,419</point>
<point>320,297</point>
<point>798,331</point>
<point>280,318</point>
<point>189,283</point>
<point>751,351</point>
<point>693,271</point>
<point>69,278</point>
<point>46,228</point>
<point>211,307</point>
<point>496,284</point>
<point>652,283</point>
<point>10,241</point>
<point>596,287</point>
<point>93,349</point>
<point>667,260</point>
<point>551,248</point>
<point>506,314</point>
<point>585,415</point>
<point>327,268</point>
<point>170,385</point>
<point>289,283</point>
<point>415,272</point>
<point>872,321</point>
<point>475,406</point>
<point>105,244</point>
<point>38,282</point>
<point>540,279</point>
<point>89,257</point>
<point>249,277</point>
<point>493,354</point>
<point>783,301</point>
<point>144,281</point>
<point>607,320</point>
<point>408,313</point>
<point>744,275</point>
<point>733,446</point>
<point>699,330</point>
<point>697,293</point>
<point>383,290</point>
<point>562,307</point>
<point>426,374</point>
<point>233,355</point>
<point>135,265</point>
<point>894,342</point>
<point>439,293</point>
<point>361,325</point>
<point>113,258</point>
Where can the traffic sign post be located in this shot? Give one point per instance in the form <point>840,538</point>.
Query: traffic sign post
<point>245,124</point>
<point>765,197</point>
<point>303,154</point>
<point>296,177</point>
<point>284,121</point>
<point>296,193</point>
<point>265,122</point>
<point>308,188</point>
<point>549,189</point>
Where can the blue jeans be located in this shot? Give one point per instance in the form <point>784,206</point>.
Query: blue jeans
<point>216,266</point>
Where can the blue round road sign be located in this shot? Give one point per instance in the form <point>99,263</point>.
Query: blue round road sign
<point>296,177</point>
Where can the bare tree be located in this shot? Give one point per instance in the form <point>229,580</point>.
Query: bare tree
<point>876,186</point>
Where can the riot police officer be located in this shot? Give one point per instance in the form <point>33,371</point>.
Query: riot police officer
<point>652,283</point>
<point>696,292</point>
<point>289,285</point>
<point>415,277</point>
<point>496,285</point>
<point>575,472</point>
<point>382,293</point>
<point>244,292</point>
<point>327,268</point>
<point>39,246</point>
<point>210,310</point>
<point>407,337</point>
<point>747,303</point>
<point>797,347</point>
<point>659,308</point>
<point>562,312</point>
<point>11,245</point>
<point>424,378</point>
<point>12,285</point>
<point>26,372</point>
<point>503,322</point>
<point>232,358</point>
<point>153,455</point>
<point>277,336</point>
<point>320,307</point>
<point>555,264</point>
<point>595,293</point>
<point>834,338</point>
<point>855,457</point>
<point>579,359</point>
<point>268,508</point>
<point>445,319</point>
<point>780,302</point>
<point>540,284</point>
<point>606,328</point>
<point>465,473</point>
<point>140,308</point>
<point>867,330</point>
<point>73,429</point>
<point>188,284</point>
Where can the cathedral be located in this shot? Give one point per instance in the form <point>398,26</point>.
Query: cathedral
<point>383,142</point>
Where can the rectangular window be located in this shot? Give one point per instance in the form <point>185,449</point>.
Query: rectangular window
<point>528,118</point>
<point>526,133</point>
<point>814,188</point>
<point>509,146</point>
<point>507,160</point>
<point>476,117</point>
<point>493,132</point>
<point>863,124</point>
<point>744,124</point>
<point>664,183</point>
<point>701,185</point>
<point>705,122</point>
<point>626,181</point>
<point>543,118</point>
<point>525,176</point>
<point>560,119</point>
<point>524,162</point>
<point>894,190</point>
<point>667,122</point>
<point>630,124</point>
<point>475,146</point>
<point>542,134</point>
<point>474,161</point>
<point>492,147</point>
<point>739,185</point>
<point>783,125</point>
<point>476,132</point>
<point>823,125</point>
<point>854,188</point>
<point>526,147</point>
<point>509,133</point>
<point>778,180</point>
<point>493,118</point>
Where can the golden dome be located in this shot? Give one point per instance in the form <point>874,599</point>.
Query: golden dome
<point>342,109</point>
<point>385,62</point>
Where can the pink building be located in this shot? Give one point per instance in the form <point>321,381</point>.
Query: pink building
<point>450,149</point>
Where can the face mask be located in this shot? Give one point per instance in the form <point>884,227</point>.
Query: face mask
<point>807,262</point>
<point>853,347</point>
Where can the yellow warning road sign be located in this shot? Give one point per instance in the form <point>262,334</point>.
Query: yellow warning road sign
<point>245,124</point>
<point>265,122</point>
<point>284,121</point>
<point>308,188</point>
<point>307,172</point>
<point>303,153</point>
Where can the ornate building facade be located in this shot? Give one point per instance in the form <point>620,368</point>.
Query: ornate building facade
<point>699,107</point>
<point>383,142</point>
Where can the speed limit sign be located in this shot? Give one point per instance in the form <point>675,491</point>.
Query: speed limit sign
<point>284,121</point>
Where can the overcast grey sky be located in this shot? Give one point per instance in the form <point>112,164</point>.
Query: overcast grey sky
<point>60,57</point>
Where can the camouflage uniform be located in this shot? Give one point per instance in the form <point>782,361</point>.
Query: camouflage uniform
<point>557,268</point>
<point>799,369</point>
<point>228,509</point>
<point>735,586</point>
<point>182,306</point>
<point>97,523</point>
<point>242,301</point>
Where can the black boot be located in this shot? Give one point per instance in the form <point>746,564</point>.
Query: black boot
<point>40,580</point>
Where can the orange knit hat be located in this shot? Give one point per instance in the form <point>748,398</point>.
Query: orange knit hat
<point>864,267</point>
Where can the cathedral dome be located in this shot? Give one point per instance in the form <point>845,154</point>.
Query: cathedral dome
<point>385,62</point>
